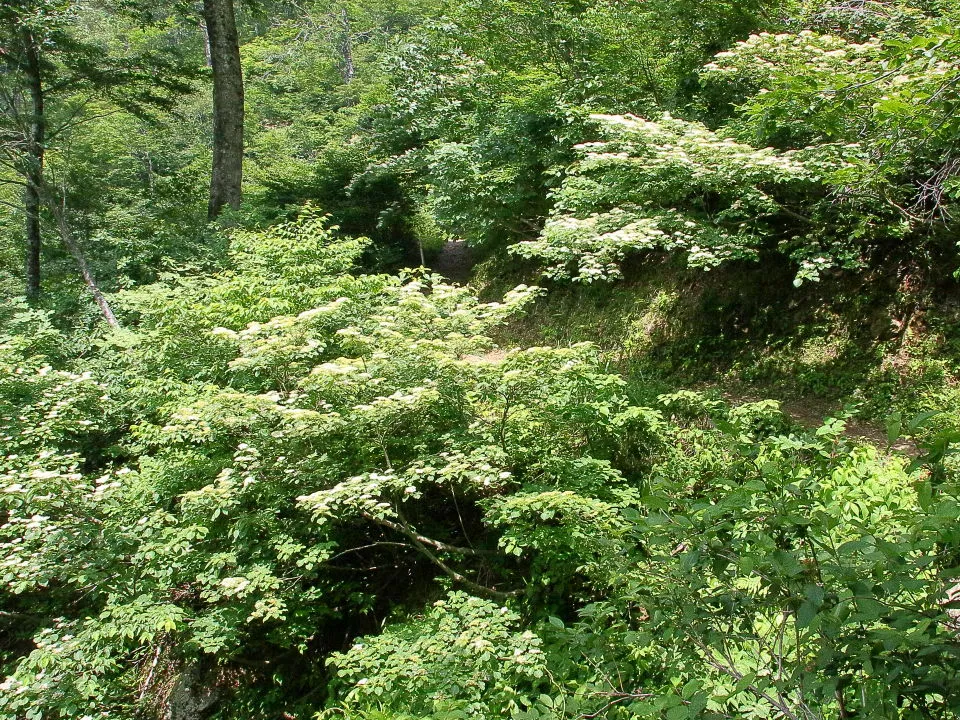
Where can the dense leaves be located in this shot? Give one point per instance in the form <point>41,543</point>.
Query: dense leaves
<point>313,474</point>
<point>297,482</point>
<point>676,186</point>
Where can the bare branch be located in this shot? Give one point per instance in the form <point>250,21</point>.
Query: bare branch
<point>367,547</point>
<point>421,542</point>
<point>405,529</point>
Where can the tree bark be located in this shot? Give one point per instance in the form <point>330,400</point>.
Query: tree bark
<point>346,47</point>
<point>36,136</point>
<point>227,174</point>
<point>66,236</point>
<point>206,44</point>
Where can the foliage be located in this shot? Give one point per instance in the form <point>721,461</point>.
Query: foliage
<point>465,658</point>
<point>485,102</point>
<point>676,186</point>
<point>893,94</point>
<point>292,487</point>
<point>101,82</point>
<point>330,465</point>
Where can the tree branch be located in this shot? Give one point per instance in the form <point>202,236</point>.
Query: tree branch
<point>711,660</point>
<point>405,529</point>
<point>367,547</point>
<point>421,542</point>
<point>66,236</point>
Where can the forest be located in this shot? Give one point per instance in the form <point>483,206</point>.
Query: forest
<point>433,360</point>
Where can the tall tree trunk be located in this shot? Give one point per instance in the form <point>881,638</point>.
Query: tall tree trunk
<point>36,132</point>
<point>346,47</point>
<point>227,174</point>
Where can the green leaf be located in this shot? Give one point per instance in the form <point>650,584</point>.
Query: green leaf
<point>920,419</point>
<point>805,614</point>
<point>925,495</point>
<point>894,424</point>
<point>691,688</point>
<point>744,682</point>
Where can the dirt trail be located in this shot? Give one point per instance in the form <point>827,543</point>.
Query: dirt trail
<point>454,262</point>
<point>810,412</point>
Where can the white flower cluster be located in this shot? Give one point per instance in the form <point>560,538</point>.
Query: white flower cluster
<point>639,190</point>
<point>761,56</point>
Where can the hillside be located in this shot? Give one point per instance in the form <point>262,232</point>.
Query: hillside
<point>508,359</point>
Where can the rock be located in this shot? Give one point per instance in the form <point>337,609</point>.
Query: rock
<point>192,694</point>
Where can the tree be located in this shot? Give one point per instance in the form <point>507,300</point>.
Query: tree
<point>227,175</point>
<point>49,78</point>
<point>222,49</point>
<point>25,26</point>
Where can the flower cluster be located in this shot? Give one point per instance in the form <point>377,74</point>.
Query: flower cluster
<point>761,57</point>
<point>667,185</point>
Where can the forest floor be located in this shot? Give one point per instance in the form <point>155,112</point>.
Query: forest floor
<point>455,261</point>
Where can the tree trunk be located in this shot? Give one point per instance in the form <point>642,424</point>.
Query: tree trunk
<point>227,173</point>
<point>60,215</point>
<point>346,47</point>
<point>206,44</point>
<point>36,132</point>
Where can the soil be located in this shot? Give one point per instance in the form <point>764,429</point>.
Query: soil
<point>811,412</point>
<point>454,262</point>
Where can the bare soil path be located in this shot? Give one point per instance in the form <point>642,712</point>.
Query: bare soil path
<point>454,262</point>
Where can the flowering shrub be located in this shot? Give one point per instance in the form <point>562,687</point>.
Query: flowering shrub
<point>288,516</point>
<point>892,94</point>
<point>465,657</point>
<point>675,186</point>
